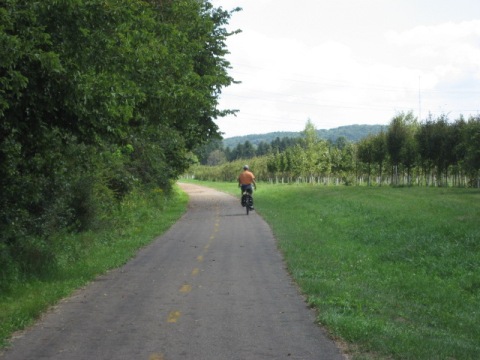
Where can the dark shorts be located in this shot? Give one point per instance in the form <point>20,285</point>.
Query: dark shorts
<point>248,188</point>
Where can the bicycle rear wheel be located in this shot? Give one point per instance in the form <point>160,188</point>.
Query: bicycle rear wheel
<point>249,203</point>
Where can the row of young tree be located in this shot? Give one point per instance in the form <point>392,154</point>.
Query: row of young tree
<point>214,152</point>
<point>433,152</point>
<point>98,99</point>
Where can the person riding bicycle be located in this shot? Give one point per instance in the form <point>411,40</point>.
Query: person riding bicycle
<point>246,179</point>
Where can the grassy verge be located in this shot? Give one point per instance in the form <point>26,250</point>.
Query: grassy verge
<point>140,219</point>
<point>392,271</point>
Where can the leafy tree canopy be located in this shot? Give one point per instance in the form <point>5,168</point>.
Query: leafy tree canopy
<point>101,96</point>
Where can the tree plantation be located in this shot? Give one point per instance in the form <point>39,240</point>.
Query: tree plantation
<point>435,152</point>
<point>98,99</point>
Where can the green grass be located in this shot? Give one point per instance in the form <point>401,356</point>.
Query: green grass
<point>82,257</point>
<point>394,272</point>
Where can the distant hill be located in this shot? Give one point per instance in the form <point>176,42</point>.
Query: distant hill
<point>351,132</point>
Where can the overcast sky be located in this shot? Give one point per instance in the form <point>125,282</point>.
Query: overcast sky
<point>343,62</point>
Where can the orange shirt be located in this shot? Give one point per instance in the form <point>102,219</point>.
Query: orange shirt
<point>246,178</point>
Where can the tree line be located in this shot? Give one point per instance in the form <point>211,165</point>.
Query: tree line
<point>218,151</point>
<point>99,99</point>
<point>434,152</point>
<point>214,152</point>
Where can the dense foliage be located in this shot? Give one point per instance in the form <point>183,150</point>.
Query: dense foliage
<point>98,98</point>
<point>434,152</point>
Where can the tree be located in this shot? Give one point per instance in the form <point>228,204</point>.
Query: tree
<point>398,141</point>
<point>263,148</point>
<point>248,150</point>
<point>314,160</point>
<point>365,153</point>
<point>379,152</point>
<point>203,152</point>
<point>100,94</point>
<point>426,147</point>
<point>310,157</point>
<point>273,164</point>
<point>437,146</point>
<point>409,152</point>
<point>216,157</point>
<point>471,141</point>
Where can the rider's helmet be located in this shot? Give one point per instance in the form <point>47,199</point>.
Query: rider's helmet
<point>245,167</point>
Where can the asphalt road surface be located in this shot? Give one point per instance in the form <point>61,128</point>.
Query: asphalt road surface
<point>213,287</point>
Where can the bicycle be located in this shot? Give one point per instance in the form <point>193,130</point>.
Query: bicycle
<point>247,200</point>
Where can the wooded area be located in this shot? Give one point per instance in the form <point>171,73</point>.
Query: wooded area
<point>435,152</point>
<point>98,99</point>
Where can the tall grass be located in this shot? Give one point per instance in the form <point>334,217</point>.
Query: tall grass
<point>81,257</point>
<point>392,271</point>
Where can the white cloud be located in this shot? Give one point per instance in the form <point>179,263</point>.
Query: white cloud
<point>449,50</point>
<point>446,33</point>
<point>359,76</point>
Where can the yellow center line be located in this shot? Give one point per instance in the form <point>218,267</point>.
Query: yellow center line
<point>173,316</point>
<point>156,357</point>
<point>186,288</point>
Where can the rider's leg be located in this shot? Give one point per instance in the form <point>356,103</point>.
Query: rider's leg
<point>250,192</point>
<point>242,198</point>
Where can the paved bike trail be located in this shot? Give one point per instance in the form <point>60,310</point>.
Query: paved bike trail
<point>213,287</point>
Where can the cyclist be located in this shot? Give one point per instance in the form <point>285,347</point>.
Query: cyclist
<point>245,181</point>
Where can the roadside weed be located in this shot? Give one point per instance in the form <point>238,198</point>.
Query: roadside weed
<point>82,257</point>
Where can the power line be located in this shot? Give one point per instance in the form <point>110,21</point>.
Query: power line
<point>315,102</point>
<point>312,79</point>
